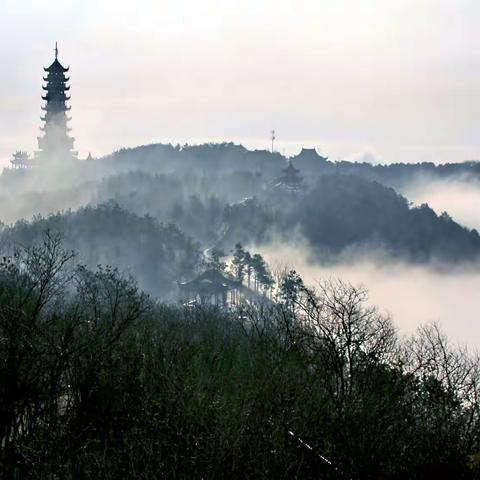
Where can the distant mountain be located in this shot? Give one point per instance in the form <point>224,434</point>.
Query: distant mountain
<point>342,211</point>
<point>229,157</point>
<point>222,158</point>
<point>348,214</point>
<point>221,194</point>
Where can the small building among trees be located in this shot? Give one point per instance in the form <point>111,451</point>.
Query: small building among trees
<point>210,288</point>
<point>291,179</point>
<point>308,159</point>
<point>21,159</point>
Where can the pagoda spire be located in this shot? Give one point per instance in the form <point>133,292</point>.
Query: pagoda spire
<point>55,144</point>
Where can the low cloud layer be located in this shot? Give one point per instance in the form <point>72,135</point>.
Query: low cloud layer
<point>460,198</point>
<point>412,295</point>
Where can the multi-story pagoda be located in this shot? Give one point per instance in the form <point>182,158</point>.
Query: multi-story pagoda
<point>55,145</point>
<point>290,178</point>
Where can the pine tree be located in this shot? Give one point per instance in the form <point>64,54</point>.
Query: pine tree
<point>238,263</point>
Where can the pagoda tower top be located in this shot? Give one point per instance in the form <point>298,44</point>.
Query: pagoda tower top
<point>55,145</point>
<point>56,66</point>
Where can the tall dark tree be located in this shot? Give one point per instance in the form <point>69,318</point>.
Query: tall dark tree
<point>238,263</point>
<point>214,260</point>
<point>263,277</point>
<point>248,266</point>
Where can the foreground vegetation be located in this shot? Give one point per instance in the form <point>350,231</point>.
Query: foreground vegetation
<point>99,381</point>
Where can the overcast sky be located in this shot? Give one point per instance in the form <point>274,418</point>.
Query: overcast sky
<point>378,79</point>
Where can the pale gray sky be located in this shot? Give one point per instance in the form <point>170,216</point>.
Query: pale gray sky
<point>391,80</point>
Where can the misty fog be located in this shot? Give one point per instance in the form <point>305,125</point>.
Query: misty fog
<point>412,295</point>
<point>147,182</point>
<point>240,240</point>
<point>460,197</point>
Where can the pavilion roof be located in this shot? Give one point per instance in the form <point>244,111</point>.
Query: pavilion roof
<point>210,281</point>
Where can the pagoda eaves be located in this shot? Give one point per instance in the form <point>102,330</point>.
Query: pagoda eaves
<point>55,145</point>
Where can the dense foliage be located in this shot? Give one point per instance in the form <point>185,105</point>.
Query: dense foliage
<point>98,381</point>
<point>228,157</point>
<point>157,254</point>
<point>336,214</point>
<point>223,194</point>
<point>346,212</point>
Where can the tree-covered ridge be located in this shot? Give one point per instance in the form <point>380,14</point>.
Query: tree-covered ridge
<point>344,212</point>
<point>223,194</point>
<point>338,214</point>
<point>220,160</point>
<point>229,157</point>
<point>98,381</point>
<point>158,254</point>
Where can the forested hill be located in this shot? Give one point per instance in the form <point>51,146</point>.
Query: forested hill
<point>156,225</point>
<point>229,157</point>
<point>345,214</point>
<point>157,255</point>
<point>216,160</point>
<point>173,202</point>
<point>221,158</point>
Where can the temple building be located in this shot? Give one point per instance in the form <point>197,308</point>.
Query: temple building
<point>309,160</point>
<point>210,288</point>
<point>20,159</point>
<point>290,178</point>
<point>55,145</point>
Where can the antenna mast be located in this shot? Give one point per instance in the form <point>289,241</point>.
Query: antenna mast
<point>272,137</point>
